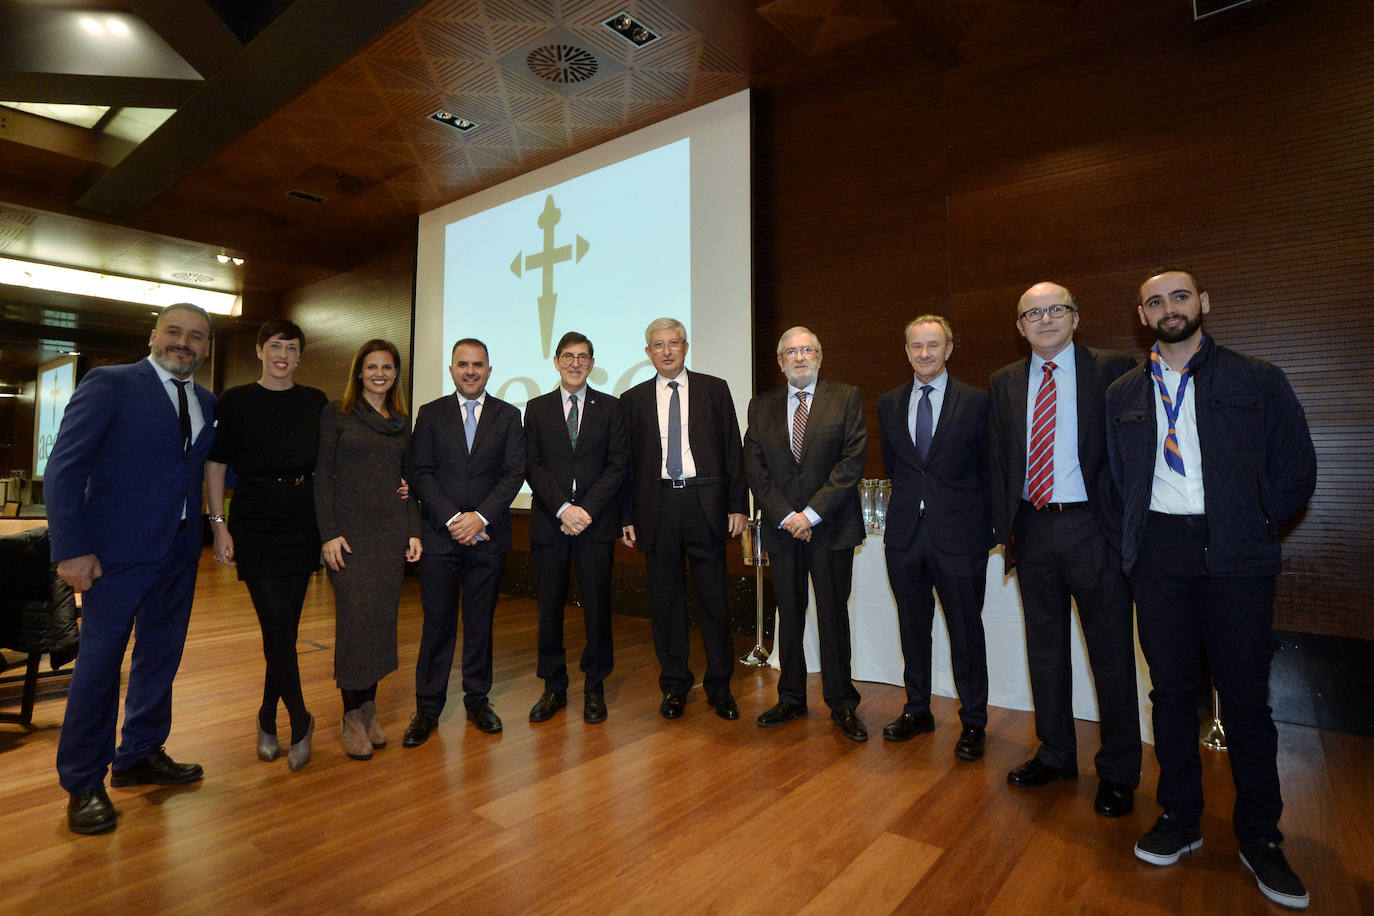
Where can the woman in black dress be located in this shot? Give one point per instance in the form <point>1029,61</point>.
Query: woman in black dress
<point>369,532</point>
<point>269,432</point>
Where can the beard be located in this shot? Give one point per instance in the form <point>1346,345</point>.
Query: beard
<point>168,363</point>
<point>1174,335</point>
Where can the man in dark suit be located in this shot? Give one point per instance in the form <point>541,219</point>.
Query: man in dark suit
<point>939,532</point>
<point>123,491</point>
<point>465,463</point>
<point>687,497</point>
<point>575,460</point>
<point>803,453</point>
<point>1058,517</point>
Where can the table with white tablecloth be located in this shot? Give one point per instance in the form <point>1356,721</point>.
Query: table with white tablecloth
<point>877,646</point>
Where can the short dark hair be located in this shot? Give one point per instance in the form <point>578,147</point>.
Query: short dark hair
<point>184,307</point>
<point>1197,284</point>
<point>571,338</point>
<point>469,342</point>
<point>283,328</point>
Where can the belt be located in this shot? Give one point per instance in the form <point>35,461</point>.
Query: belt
<point>294,480</point>
<point>1055,507</point>
<point>689,482</point>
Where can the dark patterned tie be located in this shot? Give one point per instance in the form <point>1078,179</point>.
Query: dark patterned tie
<point>925,422</point>
<point>799,425</point>
<point>572,420</point>
<point>674,462</point>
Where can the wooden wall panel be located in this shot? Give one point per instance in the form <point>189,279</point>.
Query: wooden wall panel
<point>1243,149</point>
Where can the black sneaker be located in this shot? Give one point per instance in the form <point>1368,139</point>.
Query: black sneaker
<point>1276,880</point>
<point>1167,840</point>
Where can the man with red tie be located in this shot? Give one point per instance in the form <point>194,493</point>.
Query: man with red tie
<point>1058,518</point>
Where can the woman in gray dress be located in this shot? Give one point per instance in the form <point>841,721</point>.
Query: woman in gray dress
<point>369,531</point>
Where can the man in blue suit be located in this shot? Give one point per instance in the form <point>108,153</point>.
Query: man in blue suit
<point>123,494</point>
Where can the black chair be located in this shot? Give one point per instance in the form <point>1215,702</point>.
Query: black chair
<point>38,613</point>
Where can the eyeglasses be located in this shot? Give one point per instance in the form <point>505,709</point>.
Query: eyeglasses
<point>1054,311</point>
<point>570,359</point>
<point>803,352</point>
<point>659,346</point>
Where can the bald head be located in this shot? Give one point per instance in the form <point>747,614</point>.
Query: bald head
<point>1047,333</point>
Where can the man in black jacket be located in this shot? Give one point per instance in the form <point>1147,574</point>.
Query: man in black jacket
<point>1212,455</point>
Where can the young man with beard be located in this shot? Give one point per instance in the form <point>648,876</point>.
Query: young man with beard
<point>123,489</point>
<point>1212,455</point>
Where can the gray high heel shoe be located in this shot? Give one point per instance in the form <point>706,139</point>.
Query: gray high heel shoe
<point>268,746</point>
<point>299,755</point>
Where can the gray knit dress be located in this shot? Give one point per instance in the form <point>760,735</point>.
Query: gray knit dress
<point>355,496</point>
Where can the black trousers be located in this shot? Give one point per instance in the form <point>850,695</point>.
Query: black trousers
<point>916,574</point>
<point>1062,556</point>
<point>278,600</point>
<point>553,563</point>
<point>682,535</point>
<point>1183,615</point>
<point>472,579</point>
<point>832,574</point>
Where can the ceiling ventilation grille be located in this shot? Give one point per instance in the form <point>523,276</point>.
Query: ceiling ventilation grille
<point>562,63</point>
<point>305,195</point>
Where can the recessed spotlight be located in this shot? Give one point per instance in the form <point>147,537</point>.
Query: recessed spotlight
<point>636,33</point>
<point>457,122</point>
<point>222,258</point>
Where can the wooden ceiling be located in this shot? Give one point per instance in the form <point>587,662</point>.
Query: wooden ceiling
<point>332,98</point>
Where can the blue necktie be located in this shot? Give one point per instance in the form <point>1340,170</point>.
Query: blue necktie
<point>470,422</point>
<point>925,423</point>
<point>674,461</point>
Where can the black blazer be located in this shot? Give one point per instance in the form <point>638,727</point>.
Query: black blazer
<point>712,432</point>
<point>952,481</point>
<point>448,480</point>
<point>598,464</point>
<point>1094,370</point>
<point>833,454</point>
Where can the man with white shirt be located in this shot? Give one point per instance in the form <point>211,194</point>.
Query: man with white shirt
<point>804,453</point>
<point>1212,454</point>
<point>123,494</point>
<point>575,461</point>
<point>465,463</point>
<point>935,449</point>
<point>1058,519</point>
<point>687,497</point>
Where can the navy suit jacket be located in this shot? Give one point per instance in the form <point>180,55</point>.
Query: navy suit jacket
<point>713,434</point>
<point>833,452</point>
<point>597,464</point>
<point>118,476</point>
<point>447,479</point>
<point>952,481</point>
<point>1094,371</point>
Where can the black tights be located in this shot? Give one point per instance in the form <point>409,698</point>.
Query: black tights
<point>353,699</point>
<point>278,601</point>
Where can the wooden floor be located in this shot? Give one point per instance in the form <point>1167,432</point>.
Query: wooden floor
<point>637,815</point>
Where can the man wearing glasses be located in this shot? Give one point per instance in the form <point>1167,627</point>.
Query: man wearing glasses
<point>575,460</point>
<point>804,453</point>
<point>1058,519</point>
<point>688,496</point>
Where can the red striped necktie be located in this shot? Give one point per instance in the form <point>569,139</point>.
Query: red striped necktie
<point>1041,468</point>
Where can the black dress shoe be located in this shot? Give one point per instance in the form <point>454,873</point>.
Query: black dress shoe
<point>418,731</point>
<point>157,769</point>
<point>725,705</point>
<point>1036,772</point>
<point>906,726</point>
<point>672,705</point>
<point>1113,799</point>
<point>90,812</point>
<point>780,714</point>
<point>549,703</point>
<point>850,725</point>
<point>971,743</point>
<point>485,718</point>
<point>594,707</point>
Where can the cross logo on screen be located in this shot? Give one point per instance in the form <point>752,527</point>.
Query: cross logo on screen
<point>544,261</point>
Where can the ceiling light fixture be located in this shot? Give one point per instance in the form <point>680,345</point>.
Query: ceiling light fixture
<point>227,259</point>
<point>636,33</point>
<point>452,120</point>
<point>79,282</point>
